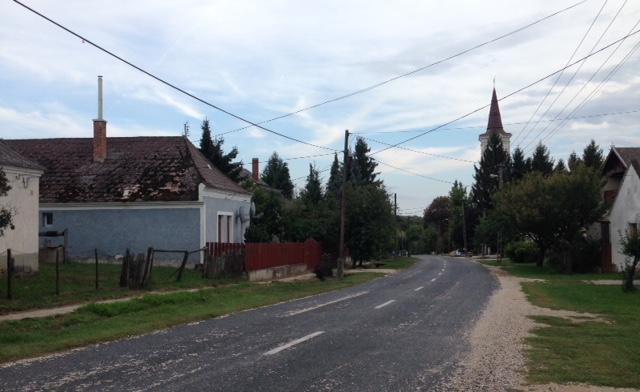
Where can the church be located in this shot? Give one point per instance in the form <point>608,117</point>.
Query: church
<point>494,126</point>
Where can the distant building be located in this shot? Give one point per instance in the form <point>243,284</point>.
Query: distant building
<point>622,192</point>
<point>132,193</point>
<point>22,200</point>
<point>494,126</point>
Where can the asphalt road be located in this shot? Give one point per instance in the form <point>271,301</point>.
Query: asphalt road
<point>398,333</point>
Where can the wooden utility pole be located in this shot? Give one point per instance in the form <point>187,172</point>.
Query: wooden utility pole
<point>343,204</point>
<point>464,229</point>
<point>395,214</point>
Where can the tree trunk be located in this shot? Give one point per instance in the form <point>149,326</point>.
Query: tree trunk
<point>541,254</point>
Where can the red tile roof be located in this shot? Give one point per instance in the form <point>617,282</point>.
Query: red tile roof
<point>136,169</point>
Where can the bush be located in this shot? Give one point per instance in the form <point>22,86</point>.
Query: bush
<point>580,256</point>
<point>522,251</point>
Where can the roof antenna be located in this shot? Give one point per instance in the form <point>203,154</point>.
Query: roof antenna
<point>186,129</point>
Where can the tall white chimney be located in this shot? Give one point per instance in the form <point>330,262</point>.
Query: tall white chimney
<point>99,130</point>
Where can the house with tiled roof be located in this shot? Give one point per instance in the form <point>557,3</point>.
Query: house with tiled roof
<point>622,194</point>
<point>494,127</point>
<point>21,201</point>
<point>118,193</point>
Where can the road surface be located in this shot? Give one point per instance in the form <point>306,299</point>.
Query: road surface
<point>398,333</point>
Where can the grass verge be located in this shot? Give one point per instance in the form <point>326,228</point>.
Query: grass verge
<point>565,351</point>
<point>596,353</point>
<point>103,322</point>
<point>77,284</point>
<point>530,270</point>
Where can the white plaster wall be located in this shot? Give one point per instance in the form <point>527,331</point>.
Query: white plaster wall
<point>23,200</point>
<point>625,210</point>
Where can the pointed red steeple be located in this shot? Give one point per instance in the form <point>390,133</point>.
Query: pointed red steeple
<point>495,120</point>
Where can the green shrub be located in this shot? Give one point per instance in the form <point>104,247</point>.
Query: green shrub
<point>522,251</point>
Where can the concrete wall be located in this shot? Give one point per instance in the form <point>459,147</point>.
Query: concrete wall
<point>113,230</point>
<point>279,272</point>
<point>625,210</point>
<point>23,200</point>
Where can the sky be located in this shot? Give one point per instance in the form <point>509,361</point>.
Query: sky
<point>261,59</point>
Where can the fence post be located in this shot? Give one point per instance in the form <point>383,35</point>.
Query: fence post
<point>9,274</point>
<point>96,254</point>
<point>183,265</point>
<point>58,270</point>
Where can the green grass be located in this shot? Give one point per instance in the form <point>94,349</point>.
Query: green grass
<point>530,270</point>
<point>77,284</point>
<point>102,322</point>
<point>595,353</point>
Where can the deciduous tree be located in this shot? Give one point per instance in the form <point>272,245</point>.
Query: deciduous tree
<point>6,216</point>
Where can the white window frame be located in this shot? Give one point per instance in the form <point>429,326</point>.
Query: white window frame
<point>230,231</point>
<point>45,214</point>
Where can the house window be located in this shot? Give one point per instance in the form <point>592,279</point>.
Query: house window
<point>47,219</point>
<point>225,227</point>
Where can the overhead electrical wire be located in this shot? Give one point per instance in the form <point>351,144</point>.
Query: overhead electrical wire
<point>575,73</point>
<point>169,84</point>
<point>412,72</point>
<point>412,172</point>
<point>541,134</point>
<point>479,126</point>
<point>596,89</point>
<point>420,152</point>
<point>519,90</point>
<point>575,51</point>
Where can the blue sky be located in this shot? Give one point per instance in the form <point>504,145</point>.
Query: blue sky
<point>261,59</point>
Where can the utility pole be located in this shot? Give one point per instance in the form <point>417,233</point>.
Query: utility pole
<point>464,229</point>
<point>395,214</point>
<point>343,204</point>
<point>500,185</point>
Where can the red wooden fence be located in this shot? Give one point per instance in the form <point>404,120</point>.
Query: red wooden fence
<point>268,255</point>
<point>218,249</point>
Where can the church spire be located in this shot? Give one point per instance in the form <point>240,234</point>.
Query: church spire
<point>495,120</point>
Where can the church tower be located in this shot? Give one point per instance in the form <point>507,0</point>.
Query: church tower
<point>494,126</point>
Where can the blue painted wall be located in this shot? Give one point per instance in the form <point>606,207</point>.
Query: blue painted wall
<point>112,231</point>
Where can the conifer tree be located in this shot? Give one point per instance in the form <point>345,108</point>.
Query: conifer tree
<point>363,167</point>
<point>312,193</point>
<point>592,156</point>
<point>211,148</point>
<point>487,173</point>
<point>334,184</point>
<point>541,161</point>
<point>276,175</point>
<point>560,167</point>
<point>519,165</point>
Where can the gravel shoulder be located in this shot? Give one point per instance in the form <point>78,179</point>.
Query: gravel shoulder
<point>497,359</point>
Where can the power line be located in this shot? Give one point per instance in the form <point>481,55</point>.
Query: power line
<point>575,51</point>
<point>379,84</point>
<point>420,152</point>
<point>506,96</point>
<point>575,73</point>
<point>596,89</point>
<point>413,173</point>
<point>480,126</point>
<point>584,85</point>
<point>169,84</point>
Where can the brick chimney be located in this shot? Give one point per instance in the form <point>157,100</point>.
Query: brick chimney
<point>255,169</point>
<point>99,130</point>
